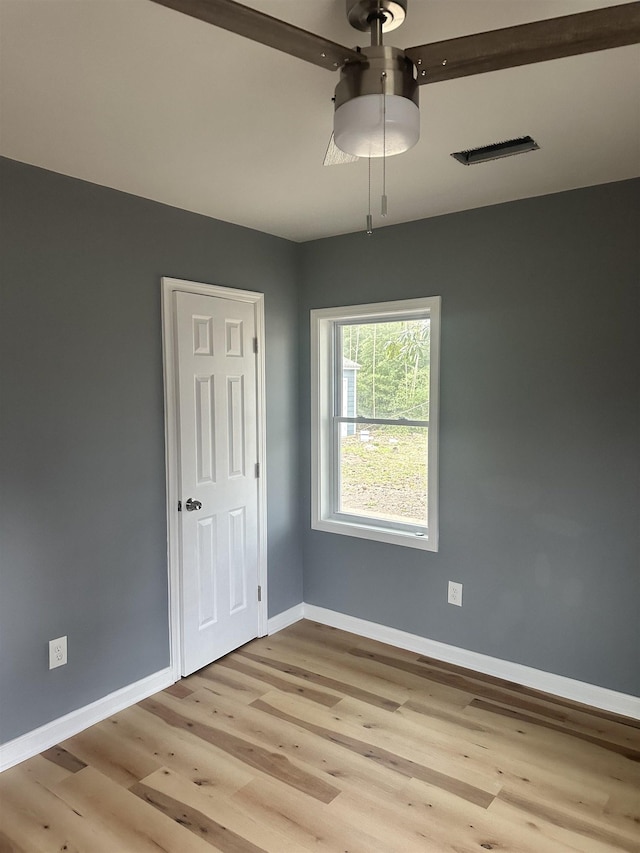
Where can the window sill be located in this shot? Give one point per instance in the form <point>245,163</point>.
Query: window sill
<point>376,534</point>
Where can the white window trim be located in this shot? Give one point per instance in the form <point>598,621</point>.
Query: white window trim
<point>323,322</point>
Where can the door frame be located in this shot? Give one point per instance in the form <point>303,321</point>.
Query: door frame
<point>172,450</point>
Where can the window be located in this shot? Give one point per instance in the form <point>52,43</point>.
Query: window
<point>375,421</point>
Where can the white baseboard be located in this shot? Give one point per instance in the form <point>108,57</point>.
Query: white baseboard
<point>30,744</point>
<point>286,618</point>
<point>547,682</point>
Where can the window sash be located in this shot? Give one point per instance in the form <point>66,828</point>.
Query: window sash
<point>419,530</point>
<point>345,419</point>
<point>380,524</point>
<point>336,481</point>
<point>337,348</point>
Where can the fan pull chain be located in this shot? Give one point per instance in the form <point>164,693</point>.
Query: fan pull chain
<point>383,200</point>
<point>369,217</point>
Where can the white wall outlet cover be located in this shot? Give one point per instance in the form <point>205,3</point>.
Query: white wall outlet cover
<point>455,593</point>
<point>57,652</point>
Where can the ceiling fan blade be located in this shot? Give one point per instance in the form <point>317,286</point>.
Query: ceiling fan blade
<point>539,41</point>
<point>335,157</point>
<point>265,29</point>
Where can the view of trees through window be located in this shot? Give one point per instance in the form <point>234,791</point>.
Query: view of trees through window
<point>383,467</point>
<point>393,368</point>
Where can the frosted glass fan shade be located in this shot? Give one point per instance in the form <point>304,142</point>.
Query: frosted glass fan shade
<point>357,125</point>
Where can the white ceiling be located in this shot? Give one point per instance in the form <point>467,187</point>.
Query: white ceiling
<point>134,96</point>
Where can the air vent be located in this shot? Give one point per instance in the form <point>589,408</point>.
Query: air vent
<point>495,151</point>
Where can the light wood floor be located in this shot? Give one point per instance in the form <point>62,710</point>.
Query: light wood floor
<point>317,740</point>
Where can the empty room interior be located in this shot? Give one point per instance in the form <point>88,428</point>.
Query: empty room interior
<point>320,465</point>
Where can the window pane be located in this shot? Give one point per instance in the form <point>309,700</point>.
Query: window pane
<point>385,369</point>
<point>383,472</point>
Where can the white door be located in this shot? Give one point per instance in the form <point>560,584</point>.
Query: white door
<point>218,483</point>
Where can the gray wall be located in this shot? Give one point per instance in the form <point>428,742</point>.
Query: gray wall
<point>539,424</point>
<point>539,457</point>
<point>83,533</point>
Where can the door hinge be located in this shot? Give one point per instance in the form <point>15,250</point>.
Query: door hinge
<point>259,593</point>
<point>255,345</point>
<point>257,470</point>
<point>179,506</point>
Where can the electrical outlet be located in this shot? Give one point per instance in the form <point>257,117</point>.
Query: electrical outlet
<point>57,652</point>
<point>455,593</point>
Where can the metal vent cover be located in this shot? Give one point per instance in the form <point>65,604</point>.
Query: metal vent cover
<point>496,150</point>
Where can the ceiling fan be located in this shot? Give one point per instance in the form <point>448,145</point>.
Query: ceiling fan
<point>376,99</point>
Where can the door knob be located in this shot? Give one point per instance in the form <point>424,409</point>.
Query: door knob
<point>192,505</point>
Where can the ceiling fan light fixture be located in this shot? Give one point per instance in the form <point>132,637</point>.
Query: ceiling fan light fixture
<point>377,125</point>
<point>376,104</point>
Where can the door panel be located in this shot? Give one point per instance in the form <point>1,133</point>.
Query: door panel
<point>235,408</point>
<point>206,567</point>
<point>237,560</point>
<point>218,448</point>
<point>205,432</point>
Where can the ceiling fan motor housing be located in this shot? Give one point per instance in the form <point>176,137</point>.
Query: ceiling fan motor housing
<point>377,104</point>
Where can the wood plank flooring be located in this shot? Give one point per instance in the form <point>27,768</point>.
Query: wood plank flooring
<point>317,740</point>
